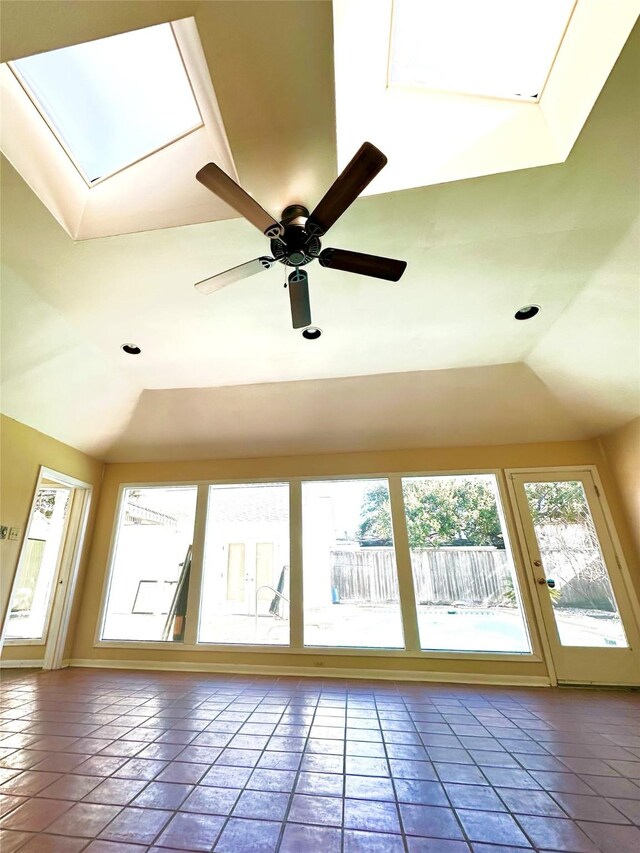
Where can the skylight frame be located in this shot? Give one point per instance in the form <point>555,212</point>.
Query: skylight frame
<point>434,137</point>
<point>424,87</point>
<point>24,85</point>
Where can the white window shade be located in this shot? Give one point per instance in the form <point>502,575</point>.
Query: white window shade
<point>118,156</point>
<point>113,101</point>
<point>498,48</point>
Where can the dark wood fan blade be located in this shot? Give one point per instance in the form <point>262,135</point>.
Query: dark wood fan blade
<point>373,265</point>
<point>222,279</point>
<point>299,298</point>
<point>214,179</point>
<point>346,188</point>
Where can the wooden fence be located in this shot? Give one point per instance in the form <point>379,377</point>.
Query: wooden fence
<point>442,575</point>
<point>472,575</point>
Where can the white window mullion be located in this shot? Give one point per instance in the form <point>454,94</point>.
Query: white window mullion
<point>197,560</point>
<point>296,606</point>
<point>403,562</point>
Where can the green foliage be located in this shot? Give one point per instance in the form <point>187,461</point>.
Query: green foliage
<point>439,511</point>
<point>463,510</point>
<point>45,501</point>
<point>509,592</point>
<point>557,502</point>
<point>375,513</point>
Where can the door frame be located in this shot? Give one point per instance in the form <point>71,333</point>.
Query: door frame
<point>628,588</point>
<point>67,569</point>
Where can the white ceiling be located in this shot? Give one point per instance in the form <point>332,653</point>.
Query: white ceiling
<point>436,359</point>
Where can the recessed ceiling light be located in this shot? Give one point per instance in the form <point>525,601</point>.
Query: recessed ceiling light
<point>114,100</point>
<point>527,312</point>
<point>131,349</point>
<point>312,333</point>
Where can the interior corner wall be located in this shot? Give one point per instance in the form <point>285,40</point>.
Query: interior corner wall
<point>22,451</point>
<point>621,450</point>
<point>431,460</point>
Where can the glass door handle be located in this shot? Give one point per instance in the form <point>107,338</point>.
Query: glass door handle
<point>537,562</point>
<point>547,582</point>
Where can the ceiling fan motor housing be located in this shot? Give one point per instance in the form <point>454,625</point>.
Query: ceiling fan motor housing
<point>295,247</point>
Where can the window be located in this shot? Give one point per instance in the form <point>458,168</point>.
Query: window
<point>500,48</point>
<point>114,100</point>
<point>245,581</point>
<point>582,599</point>
<point>350,580</point>
<point>466,590</point>
<point>151,564</point>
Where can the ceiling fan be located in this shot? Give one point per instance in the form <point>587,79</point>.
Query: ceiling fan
<point>295,240</point>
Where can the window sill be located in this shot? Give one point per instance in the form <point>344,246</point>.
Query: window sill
<point>237,648</point>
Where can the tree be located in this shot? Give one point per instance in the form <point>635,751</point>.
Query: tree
<point>45,501</point>
<point>569,544</point>
<point>439,511</point>
<point>557,503</point>
<point>375,513</point>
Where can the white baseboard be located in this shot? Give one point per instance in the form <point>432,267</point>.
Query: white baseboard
<point>318,672</point>
<point>21,664</point>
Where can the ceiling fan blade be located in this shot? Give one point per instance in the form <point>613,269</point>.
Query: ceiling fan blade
<point>373,265</point>
<point>214,179</point>
<point>346,188</point>
<point>299,298</point>
<point>222,279</point>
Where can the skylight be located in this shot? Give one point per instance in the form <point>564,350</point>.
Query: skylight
<point>113,101</point>
<point>499,48</point>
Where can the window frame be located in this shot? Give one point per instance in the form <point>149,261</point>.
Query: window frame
<point>50,123</point>
<point>404,599</point>
<point>108,578</point>
<point>296,638</point>
<point>194,601</point>
<point>513,550</point>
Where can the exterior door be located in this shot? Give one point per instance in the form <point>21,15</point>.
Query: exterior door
<point>37,575</point>
<point>264,575</point>
<point>585,605</point>
<point>45,580</point>
<point>236,578</point>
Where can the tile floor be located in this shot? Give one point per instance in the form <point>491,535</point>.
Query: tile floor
<point>108,761</point>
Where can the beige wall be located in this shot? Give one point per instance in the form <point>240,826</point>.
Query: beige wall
<point>22,451</point>
<point>621,449</point>
<point>428,460</point>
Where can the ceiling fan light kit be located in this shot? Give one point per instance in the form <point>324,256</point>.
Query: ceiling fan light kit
<point>299,299</point>
<point>295,240</point>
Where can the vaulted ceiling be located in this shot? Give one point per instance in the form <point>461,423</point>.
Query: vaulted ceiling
<point>436,359</point>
